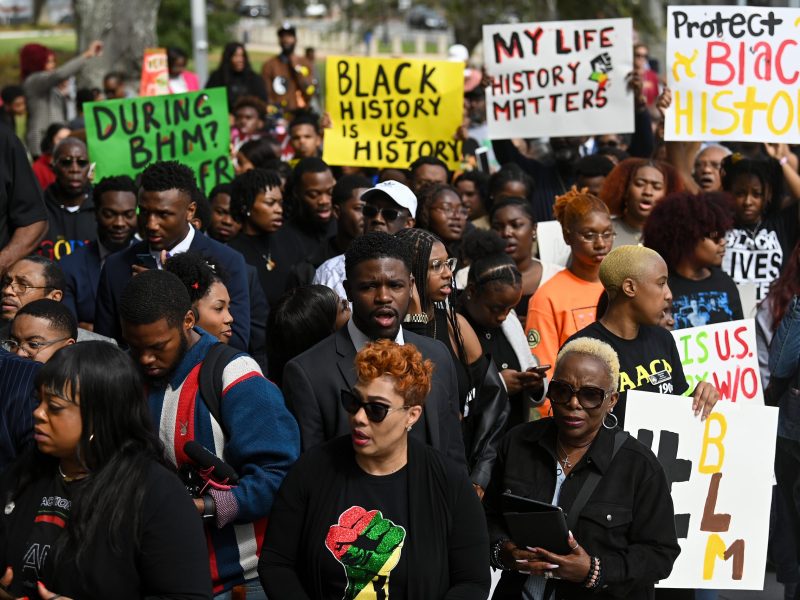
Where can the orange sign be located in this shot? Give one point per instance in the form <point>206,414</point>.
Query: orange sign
<point>155,75</point>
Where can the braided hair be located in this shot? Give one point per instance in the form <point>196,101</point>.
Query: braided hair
<point>489,262</point>
<point>420,244</point>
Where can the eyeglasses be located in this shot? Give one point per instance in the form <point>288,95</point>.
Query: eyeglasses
<point>438,265</point>
<point>592,236</point>
<point>67,161</point>
<point>639,55</point>
<point>31,347</point>
<point>451,210</point>
<point>21,288</point>
<point>589,396</point>
<point>389,214</point>
<point>711,164</point>
<point>375,411</point>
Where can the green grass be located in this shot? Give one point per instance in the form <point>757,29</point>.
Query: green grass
<point>60,42</point>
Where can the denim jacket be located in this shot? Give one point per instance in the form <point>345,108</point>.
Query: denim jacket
<point>784,360</point>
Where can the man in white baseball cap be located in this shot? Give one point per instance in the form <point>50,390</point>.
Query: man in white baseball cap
<point>389,206</point>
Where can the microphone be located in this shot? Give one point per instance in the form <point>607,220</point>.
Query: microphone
<point>218,468</point>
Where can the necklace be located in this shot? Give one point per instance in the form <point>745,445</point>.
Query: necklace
<point>564,461</point>
<point>67,478</point>
<point>268,262</point>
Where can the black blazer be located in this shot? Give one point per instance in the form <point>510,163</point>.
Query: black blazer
<point>82,274</point>
<point>117,271</point>
<point>313,381</point>
<point>446,548</point>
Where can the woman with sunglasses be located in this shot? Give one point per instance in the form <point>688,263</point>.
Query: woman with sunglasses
<point>622,539</point>
<point>693,249</point>
<point>91,500</point>
<point>568,301</point>
<point>483,398</point>
<point>376,514</point>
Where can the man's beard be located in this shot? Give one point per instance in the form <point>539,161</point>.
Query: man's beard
<point>112,246</point>
<point>161,382</point>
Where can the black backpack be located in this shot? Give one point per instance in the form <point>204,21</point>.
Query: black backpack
<point>210,379</point>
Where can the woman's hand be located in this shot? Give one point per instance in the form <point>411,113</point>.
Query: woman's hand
<point>46,594</point>
<point>705,397</point>
<point>517,559</point>
<point>5,581</point>
<point>664,101</point>
<point>573,567</point>
<point>479,490</point>
<point>94,49</point>
<point>512,381</point>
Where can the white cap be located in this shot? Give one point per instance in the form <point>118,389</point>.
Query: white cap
<point>458,53</point>
<point>399,193</point>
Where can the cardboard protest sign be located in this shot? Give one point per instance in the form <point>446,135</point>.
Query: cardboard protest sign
<point>720,473</point>
<point>733,71</point>
<point>124,136</point>
<point>387,112</point>
<point>559,78</point>
<point>155,74</point>
<point>724,355</point>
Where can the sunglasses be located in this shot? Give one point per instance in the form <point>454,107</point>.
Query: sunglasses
<point>375,411</point>
<point>389,214</point>
<point>67,161</point>
<point>589,396</point>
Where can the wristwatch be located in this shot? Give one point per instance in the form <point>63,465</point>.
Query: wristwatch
<point>416,318</point>
<point>209,507</point>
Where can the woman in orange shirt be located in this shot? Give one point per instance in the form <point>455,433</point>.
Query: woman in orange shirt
<point>567,302</point>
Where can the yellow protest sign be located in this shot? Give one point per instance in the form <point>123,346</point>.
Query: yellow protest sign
<point>387,112</point>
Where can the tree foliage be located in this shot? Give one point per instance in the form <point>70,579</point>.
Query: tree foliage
<point>175,23</point>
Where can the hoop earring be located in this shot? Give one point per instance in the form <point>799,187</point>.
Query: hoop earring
<point>613,416</point>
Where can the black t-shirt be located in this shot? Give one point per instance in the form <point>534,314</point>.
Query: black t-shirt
<point>21,200</point>
<point>52,516</point>
<point>711,300</point>
<point>366,537</point>
<point>758,255</point>
<point>648,363</point>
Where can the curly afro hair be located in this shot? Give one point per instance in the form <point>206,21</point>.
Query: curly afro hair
<point>680,221</point>
<point>615,187</point>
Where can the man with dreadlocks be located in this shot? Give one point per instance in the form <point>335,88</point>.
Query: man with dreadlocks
<point>379,285</point>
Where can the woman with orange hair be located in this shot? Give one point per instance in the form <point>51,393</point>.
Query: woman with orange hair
<point>568,301</point>
<point>375,511</point>
<point>631,191</point>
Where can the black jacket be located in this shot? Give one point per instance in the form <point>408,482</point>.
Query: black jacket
<point>67,230</point>
<point>446,542</point>
<point>313,381</point>
<point>628,522</point>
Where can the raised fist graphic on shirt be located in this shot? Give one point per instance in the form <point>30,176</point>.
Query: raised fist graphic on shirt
<point>369,547</point>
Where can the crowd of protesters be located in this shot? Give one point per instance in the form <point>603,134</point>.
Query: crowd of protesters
<point>326,381</point>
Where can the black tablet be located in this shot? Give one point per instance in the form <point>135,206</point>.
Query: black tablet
<point>536,524</point>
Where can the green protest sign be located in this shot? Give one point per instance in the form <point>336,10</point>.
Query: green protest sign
<point>124,136</point>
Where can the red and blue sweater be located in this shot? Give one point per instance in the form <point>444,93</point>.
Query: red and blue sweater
<point>263,442</point>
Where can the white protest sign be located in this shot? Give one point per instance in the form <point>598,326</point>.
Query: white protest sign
<point>559,78</point>
<point>733,71</point>
<point>720,471</point>
<point>724,355</point>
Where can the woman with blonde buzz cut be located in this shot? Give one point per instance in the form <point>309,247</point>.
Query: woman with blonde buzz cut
<point>620,517</point>
<point>635,280</point>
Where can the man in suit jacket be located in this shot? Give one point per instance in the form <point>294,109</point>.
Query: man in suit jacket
<point>379,285</point>
<point>115,211</point>
<point>19,401</point>
<point>165,211</point>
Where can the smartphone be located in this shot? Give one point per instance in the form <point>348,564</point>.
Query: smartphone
<point>482,158</point>
<point>148,261</point>
<point>541,369</point>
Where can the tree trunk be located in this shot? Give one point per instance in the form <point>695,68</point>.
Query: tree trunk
<point>125,27</point>
<point>38,6</point>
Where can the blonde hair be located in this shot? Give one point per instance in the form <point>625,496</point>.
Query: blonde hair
<point>625,262</point>
<point>597,349</point>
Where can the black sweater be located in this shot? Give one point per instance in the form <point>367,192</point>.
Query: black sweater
<point>171,561</point>
<point>446,547</point>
